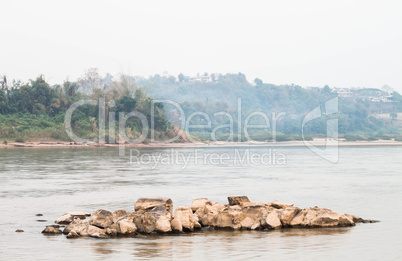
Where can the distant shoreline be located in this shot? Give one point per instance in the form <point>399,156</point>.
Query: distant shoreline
<point>315,142</point>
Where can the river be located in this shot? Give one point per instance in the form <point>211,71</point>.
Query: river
<point>367,181</point>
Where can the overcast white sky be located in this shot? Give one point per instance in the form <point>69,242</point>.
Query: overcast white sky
<point>311,43</point>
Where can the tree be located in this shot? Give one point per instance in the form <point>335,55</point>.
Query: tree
<point>125,104</point>
<point>258,81</point>
<point>181,77</point>
<point>3,102</point>
<point>326,89</point>
<point>90,81</point>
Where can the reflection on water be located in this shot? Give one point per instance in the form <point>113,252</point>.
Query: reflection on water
<point>54,181</point>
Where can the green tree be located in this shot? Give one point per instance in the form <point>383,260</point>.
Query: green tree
<point>258,81</point>
<point>3,102</point>
<point>181,77</point>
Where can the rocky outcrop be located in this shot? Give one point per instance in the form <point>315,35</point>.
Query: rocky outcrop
<point>154,215</point>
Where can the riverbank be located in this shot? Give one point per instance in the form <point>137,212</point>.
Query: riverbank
<point>314,142</point>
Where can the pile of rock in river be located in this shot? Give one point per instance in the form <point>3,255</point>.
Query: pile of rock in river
<point>155,215</point>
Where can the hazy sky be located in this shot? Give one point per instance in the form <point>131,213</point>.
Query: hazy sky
<point>311,43</point>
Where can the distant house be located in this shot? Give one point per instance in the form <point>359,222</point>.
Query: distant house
<point>380,99</point>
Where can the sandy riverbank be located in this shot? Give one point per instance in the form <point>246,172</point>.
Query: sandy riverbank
<point>315,142</point>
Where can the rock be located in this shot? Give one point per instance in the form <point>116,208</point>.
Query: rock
<point>355,219</point>
<point>260,217</point>
<point>127,228</point>
<point>69,217</point>
<point>102,219</point>
<point>65,219</point>
<point>79,226</point>
<point>19,230</point>
<point>146,204</point>
<point>272,220</point>
<point>207,213</point>
<point>229,218</point>
<point>197,225</point>
<point>255,212</point>
<point>118,214</point>
<point>39,215</point>
<point>199,202</point>
<point>320,217</point>
<point>237,200</point>
<point>176,225</point>
<point>155,220</point>
<point>247,223</point>
<point>53,229</point>
<point>96,232</point>
<point>279,205</point>
<point>113,230</point>
<point>286,215</point>
<point>186,217</point>
<point>73,234</point>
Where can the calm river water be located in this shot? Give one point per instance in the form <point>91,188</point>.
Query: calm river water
<point>367,181</point>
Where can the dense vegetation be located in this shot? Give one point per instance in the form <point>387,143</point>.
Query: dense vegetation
<point>214,93</point>
<point>36,110</point>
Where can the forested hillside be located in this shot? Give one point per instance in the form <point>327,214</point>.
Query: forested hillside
<point>36,110</point>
